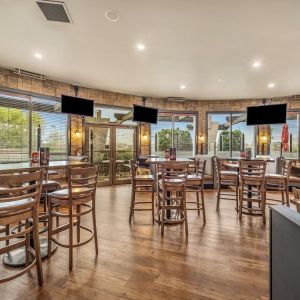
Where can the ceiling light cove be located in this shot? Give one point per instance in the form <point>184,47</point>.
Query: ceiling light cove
<point>256,64</point>
<point>38,55</point>
<point>183,87</point>
<point>140,47</point>
<point>271,85</point>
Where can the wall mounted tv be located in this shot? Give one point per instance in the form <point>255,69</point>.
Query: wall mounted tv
<point>266,114</point>
<point>77,106</point>
<point>145,114</point>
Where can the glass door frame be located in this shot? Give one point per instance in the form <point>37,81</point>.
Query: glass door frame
<point>112,149</point>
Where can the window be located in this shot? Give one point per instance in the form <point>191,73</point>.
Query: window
<point>27,123</point>
<point>174,130</point>
<point>228,134</point>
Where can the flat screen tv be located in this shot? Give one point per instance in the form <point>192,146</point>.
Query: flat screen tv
<point>145,114</point>
<point>77,106</point>
<point>266,114</point>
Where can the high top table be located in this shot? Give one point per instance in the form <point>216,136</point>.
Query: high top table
<point>16,258</point>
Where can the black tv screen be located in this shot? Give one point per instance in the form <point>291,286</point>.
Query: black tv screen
<point>144,114</point>
<point>77,106</point>
<point>266,114</point>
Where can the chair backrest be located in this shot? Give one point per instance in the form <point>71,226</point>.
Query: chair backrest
<point>286,167</point>
<point>172,170</point>
<point>82,181</point>
<point>16,187</point>
<point>133,168</point>
<point>197,167</point>
<point>217,167</point>
<point>252,172</point>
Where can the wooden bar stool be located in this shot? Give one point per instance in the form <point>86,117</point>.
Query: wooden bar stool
<point>252,188</point>
<point>19,202</point>
<point>141,183</point>
<point>280,182</point>
<point>172,194</point>
<point>195,184</point>
<point>81,193</point>
<point>228,179</point>
<point>296,199</point>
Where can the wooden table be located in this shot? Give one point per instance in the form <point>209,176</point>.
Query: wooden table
<point>28,166</point>
<point>16,258</point>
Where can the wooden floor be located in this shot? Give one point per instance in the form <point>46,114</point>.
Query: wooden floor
<point>225,259</point>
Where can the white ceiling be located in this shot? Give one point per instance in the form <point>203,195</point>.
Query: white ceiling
<point>207,45</point>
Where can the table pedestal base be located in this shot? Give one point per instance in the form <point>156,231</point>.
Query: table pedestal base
<point>16,258</point>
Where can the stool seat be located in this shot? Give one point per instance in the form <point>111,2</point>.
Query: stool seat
<point>64,194</point>
<point>50,185</point>
<point>18,204</point>
<point>276,176</point>
<point>144,177</point>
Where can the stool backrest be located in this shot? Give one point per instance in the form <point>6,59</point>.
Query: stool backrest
<point>286,167</point>
<point>82,181</point>
<point>16,187</point>
<point>172,170</point>
<point>252,172</point>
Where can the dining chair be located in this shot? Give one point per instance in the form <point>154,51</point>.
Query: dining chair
<point>252,188</point>
<point>78,199</point>
<point>195,184</point>
<point>144,184</point>
<point>172,195</point>
<point>228,179</point>
<point>19,203</point>
<point>280,182</point>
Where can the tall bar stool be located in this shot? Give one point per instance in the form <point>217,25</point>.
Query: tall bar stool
<point>19,202</point>
<point>141,183</point>
<point>228,179</point>
<point>280,182</point>
<point>81,193</point>
<point>252,188</point>
<point>172,194</point>
<point>195,184</point>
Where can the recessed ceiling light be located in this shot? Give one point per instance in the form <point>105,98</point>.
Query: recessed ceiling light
<point>38,55</point>
<point>220,80</point>
<point>182,87</point>
<point>271,85</point>
<point>140,47</point>
<point>112,15</point>
<point>256,64</point>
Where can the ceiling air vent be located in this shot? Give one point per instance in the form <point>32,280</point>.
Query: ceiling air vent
<point>29,74</point>
<point>176,99</point>
<point>54,11</point>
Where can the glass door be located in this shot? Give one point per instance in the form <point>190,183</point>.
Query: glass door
<point>125,150</point>
<point>99,151</point>
<point>112,147</point>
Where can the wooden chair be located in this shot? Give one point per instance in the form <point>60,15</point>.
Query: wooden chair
<point>280,182</point>
<point>141,183</point>
<point>80,194</point>
<point>172,194</point>
<point>19,202</point>
<point>252,188</point>
<point>228,179</point>
<point>296,199</point>
<point>195,184</point>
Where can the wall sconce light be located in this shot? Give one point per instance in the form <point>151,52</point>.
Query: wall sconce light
<point>202,138</point>
<point>77,133</point>
<point>264,138</point>
<point>202,143</point>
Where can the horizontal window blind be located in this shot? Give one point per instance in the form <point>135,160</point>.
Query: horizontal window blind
<point>49,128</point>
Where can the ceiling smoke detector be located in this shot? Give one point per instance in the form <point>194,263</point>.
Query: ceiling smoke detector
<point>112,15</point>
<point>54,11</point>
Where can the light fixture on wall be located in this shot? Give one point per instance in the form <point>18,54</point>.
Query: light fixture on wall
<point>77,132</point>
<point>202,143</point>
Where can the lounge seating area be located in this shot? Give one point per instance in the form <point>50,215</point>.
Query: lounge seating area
<point>149,150</point>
